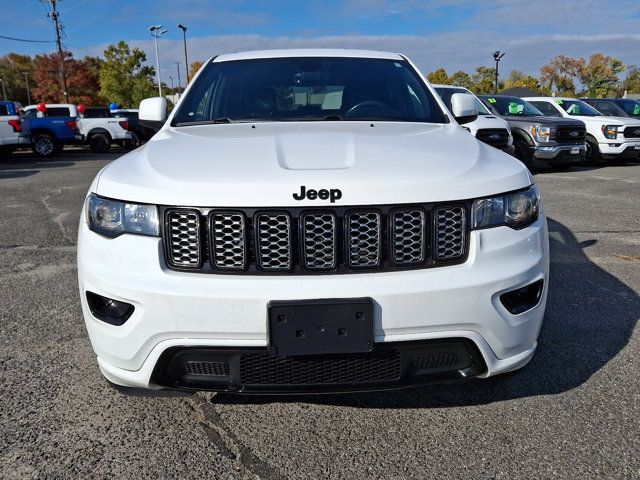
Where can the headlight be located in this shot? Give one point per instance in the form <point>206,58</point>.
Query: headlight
<point>112,218</point>
<point>541,134</point>
<point>610,131</point>
<point>515,210</point>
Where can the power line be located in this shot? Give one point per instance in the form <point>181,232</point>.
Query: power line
<point>25,40</point>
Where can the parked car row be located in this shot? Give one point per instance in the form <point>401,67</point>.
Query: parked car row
<point>556,131</point>
<point>47,128</point>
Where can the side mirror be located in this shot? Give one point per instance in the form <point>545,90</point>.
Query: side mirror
<point>153,109</point>
<point>464,107</point>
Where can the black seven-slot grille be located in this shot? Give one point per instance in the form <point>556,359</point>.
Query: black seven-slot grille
<point>320,240</point>
<point>571,134</point>
<point>496,137</point>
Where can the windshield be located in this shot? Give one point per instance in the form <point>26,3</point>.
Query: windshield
<point>578,107</point>
<point>307,89</point>
<point>632,107</point>
<point>513,106</point>
<point>446,93</point>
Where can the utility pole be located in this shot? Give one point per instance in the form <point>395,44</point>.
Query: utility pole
<point>497,56</point>
<point>26,82</point>
<point>4,92</point>
<point>55,15</point>
<point>179,82</point>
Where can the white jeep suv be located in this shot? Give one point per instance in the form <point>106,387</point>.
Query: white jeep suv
<point>311,221</point>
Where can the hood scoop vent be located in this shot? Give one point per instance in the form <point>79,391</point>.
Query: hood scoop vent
<point>315,151</point>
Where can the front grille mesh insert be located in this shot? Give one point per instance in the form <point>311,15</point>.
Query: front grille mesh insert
<point>382,366</point>
<point>364,239</point>
<point>228,238</point>
<point>408,230</point>
<point>450,233</point>
<point>184,238</point>
<point>319,237</point>
<point>274,241</point>
<point>308,241</point>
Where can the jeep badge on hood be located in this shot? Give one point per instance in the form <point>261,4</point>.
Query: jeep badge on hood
<point>332,194</point>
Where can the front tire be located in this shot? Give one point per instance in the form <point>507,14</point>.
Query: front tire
<point>99,143</point>
<point>592,156</point>
<point>44,145</point>
<point>523,153</point>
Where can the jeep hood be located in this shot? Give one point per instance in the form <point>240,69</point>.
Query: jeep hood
<point>263,164</point>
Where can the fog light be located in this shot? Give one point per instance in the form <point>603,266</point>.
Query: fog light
<point>109,310</point>
<point>523,299</point>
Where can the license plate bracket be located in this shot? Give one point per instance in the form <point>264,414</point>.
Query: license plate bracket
<point>326,326</point>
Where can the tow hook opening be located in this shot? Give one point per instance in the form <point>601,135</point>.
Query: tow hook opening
<point>524,298</point>
<point>113,312</point>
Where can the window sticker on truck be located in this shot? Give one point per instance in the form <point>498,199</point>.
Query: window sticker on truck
<point>491,100</point>
<point>559,102</point>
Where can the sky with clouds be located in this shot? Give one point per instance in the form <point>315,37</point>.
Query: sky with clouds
<point>454,34</point>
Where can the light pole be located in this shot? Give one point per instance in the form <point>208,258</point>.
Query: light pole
<point>497,56</point>
<point>26,82</point>
<point>171,78</point>
<point>4,92</point>
<point>184,38</point>
<point>153,29</point>
<point>179,81</point>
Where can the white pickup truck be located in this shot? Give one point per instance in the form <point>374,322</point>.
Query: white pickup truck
<point>311,221</point>
<point>12,133</point>
<point>611,139</point>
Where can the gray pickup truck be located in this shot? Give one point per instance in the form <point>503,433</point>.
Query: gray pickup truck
<point>539,141</point>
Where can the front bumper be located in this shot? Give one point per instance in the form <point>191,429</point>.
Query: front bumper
<point>560,153</point>
<point>179,310</point>
<point>625,150</point>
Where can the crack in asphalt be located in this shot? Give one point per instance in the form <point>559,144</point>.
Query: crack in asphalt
<point>58,216</point>
<point>227,442</point>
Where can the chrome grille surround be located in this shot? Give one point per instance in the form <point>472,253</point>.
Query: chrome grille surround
<point>450,227</point>
<point>184,238</point>
<point>319,232</point>
<point>364,239</point>
<point>228,240</point>
<point>273,241</point>
<point>315,241</point>
<point>408,234</point>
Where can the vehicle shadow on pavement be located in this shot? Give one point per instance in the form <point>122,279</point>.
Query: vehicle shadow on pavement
<point>589,319</point>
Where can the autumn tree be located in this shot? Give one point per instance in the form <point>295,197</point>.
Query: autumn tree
<point>81,79</point>
<point>194,67</point>
<point>461,79</point>
<point>631,84</point>
<point>124,78</point>
<point>600,74</point>
<point>439,76</point>
<point>13,66</point>
<point>519,79</point>
<point>483,80</point>
<point>559,74</point>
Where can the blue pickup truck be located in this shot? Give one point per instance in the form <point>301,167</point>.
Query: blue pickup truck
<point>52,129</point>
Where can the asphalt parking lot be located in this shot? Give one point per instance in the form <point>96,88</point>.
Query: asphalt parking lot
<point>573,412</point>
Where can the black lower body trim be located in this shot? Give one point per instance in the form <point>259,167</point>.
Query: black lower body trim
<point>254,370</point>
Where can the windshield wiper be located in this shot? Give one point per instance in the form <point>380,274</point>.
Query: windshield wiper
<point>332,117</point>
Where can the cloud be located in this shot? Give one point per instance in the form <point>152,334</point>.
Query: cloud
<point>453,51</point>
